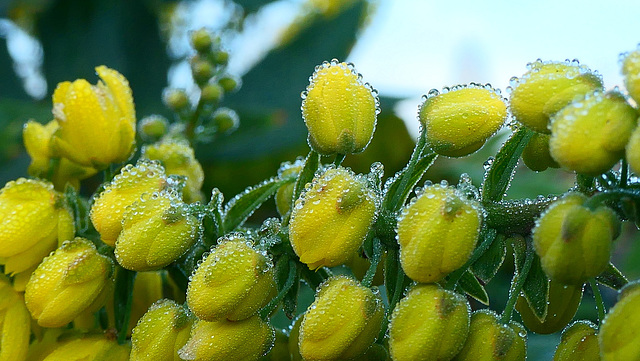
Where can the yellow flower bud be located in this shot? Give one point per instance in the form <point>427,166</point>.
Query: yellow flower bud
<point>15,323</point>
<point>339,109</point>
<point>94,347</point>
<point>67,283</point>
<point>631,73</point>
<point>574,242</point>
<point>178,158</point>
<point>37,141</point>
<point>343,321</point>
<point>161,332</point>
<point>589,136</point>
<point>232,282</point>
<point>147,290</point>
<point>156,230</point>
<point>429,323</point>
<point>579,342</point>
<point>330,221</point>
<point>633,150</point>
<point>546,88</point>
<point>619,338</point>
<point>35,220</point>
<point>127,187</point>
<point>227,340</point>
<point>460,120</point>
<point>437,233</point>
<point>562,305</point>
<point>97,122</point>
<point>491,340</point>
<point>536,154</point>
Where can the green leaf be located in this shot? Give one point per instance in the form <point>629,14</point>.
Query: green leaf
<point>612,278</point>
<point>470,284</point>
<point>284,268</point>
<point>123,299</point>
<point>213,224</point>
<point>311,164</point>
<point>536,285</point>
<point>244,204</point>
<point>497,178</point>
<point>397,189</point>
<point>490,261</point>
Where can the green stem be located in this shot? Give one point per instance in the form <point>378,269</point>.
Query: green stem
<point>123,301</point>
<point>339,158</point>
<point>375,260</point>
<point>624,173</point>
<point>394,203</point>
<point>517,286</point>
<point>515,216</point>
<point>189,131</point>
<point>109,173</point>
<point>291,277</point>
<point>598,298</point>
<point>455,276</point>
<point>611,195</point>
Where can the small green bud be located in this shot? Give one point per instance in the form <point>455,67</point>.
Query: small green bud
<point>562,305</point>
<point>67,283</point>
<point>491,340</point>
<point>330,221</point>
<point>574,242</point>
<point>161,332</point>
<point>589,136</point>
<point>429,323</point>
<point>459,121</point>
<point>619,338</point>
<point>229,83</point>
<point>546,88</point>
<point>153,127</point>
<point>230,341</point>
<point>226,120</point>
<point>339,109</point>
<point>211,93</point>
<point>437,233</point>
<point>232,282</point>
<point>220,57</point>
<point>176,99</point>
<point>579,342</point>
<point>536,154</point>
<point>631,73</point>
<point>201,40</point>
<point>201,69</point>
<point>343,321</point>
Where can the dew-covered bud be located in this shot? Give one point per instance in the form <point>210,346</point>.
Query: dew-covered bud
<point>201,40</point>
<point>232,282</point>
<point>226,120</point>
<point>536,155</point>
<point>459,121</point>
<point>573,241</point>
<point>178,158</point>
<point>339,109</point>
<point>161,332</point>
<point>97,122</point>
<point>93,347</point>
<point>619,336</point>
<point>437,233</point>
<point>147,289</point>
<point>429,323</point>
<point>343,321</point>
<point>35,220</point>
<point>589,136</point>
<point>156,230</point>
<point>631,73</point>
<point>153,127</point>
<point>633,150</point>
<point>176,99</point>
<point>67,283</point>
<point>330,221</point>
<point>579,342</point>
<point>211,93</point>
<point>228,340</point>
<point>562,305</point>
<point>491,340</point>
<point>546,88</point>
<point>15,323</point>
<point>125,188</point>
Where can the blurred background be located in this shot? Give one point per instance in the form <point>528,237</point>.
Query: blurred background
<point>403,48</point>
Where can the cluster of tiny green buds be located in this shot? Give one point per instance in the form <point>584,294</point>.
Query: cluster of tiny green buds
<point>161,332</point>
<point>343,321</point>
<point>562,304</point>
<point>429,323</point>
<point>232,282</point>
<point>459,120</point>
<point>339,109</point>
<point>579,342</point>
<point>548,87</point>
<point>330,221</point>
<point>68,282</point>
<point>619,338</point>
<point>437,232</point>
<point>491,340</point>
<point>573,241</point>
